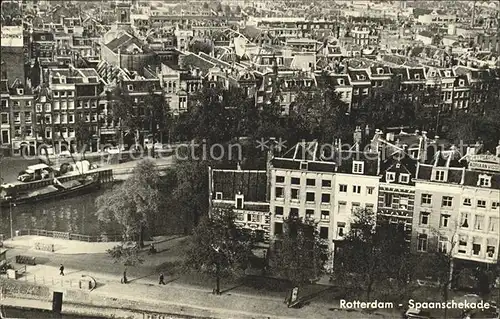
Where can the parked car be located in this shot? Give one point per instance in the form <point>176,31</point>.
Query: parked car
<point>112,150</point>
<point>64,154</point>
<point>416,314</point>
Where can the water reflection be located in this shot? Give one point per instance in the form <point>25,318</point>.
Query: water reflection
<point>75,215</point>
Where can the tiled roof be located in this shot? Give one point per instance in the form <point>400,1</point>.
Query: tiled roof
<point>252,184</point>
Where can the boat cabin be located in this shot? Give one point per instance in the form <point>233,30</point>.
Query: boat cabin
<point>35,173</point>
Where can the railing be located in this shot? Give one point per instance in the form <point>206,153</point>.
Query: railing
<point>70,236</point>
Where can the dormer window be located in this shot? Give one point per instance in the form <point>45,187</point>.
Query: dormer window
<point>390,176</point>
<point>484,181</point>
<point>404,178</point>
<point>439,176</point>
<point>417,76</point>
<point>20,91</point>
<point>461,82</point>
<point>130,87</point>
<point>218,195</point>
<point>303,166</point>
<point>380,71</point>
<point>239,201</point>
<point>340,81</point>
<point>358,167</point>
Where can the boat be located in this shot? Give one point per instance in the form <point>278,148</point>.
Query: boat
<point>57,190</point>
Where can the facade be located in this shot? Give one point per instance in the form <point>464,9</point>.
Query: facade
<point>457,208</point>
<point>314,184</point>
<point>245,191</point>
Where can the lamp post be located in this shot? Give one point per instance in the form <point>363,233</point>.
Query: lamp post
<point>9,198</point>
<point>217,269</point>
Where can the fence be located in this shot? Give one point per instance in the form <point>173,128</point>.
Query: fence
<point>70,236</point>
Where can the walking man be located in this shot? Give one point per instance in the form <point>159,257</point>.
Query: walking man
<point>61,270</point>
<point>124,279</point>
<point>162,282</point>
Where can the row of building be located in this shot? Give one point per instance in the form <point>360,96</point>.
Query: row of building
<point>447,199</point>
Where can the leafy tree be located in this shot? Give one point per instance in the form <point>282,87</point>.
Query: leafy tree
<point>319,114</point>
<point>126,113</point>
<point>205,5</point>
<point>190,193</point>
<point>300,254</point>
<point>372,253</point>
<point>82,134</point>
<point>133,203</point>
<point>219,7</point>
<point>201,45</point>
<point>218,247</point>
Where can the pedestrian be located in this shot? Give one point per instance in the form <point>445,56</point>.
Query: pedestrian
<point>61,270</point>
<point>162,282</point>
<point>124,279</point>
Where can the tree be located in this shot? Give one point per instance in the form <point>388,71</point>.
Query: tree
<point>82,135</point>
<point>318,114</point>
<point>133,203</point>
<point>300,254</point>
<point>218,247</point>
<point>201,45</point>
<point>126,113</point>
<point>371,253</point>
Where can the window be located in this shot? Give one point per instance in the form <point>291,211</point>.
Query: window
<point>369,207</point>
<point>303,165</point>
<point>478,225</point>
<point>356,189</point>
<point>340,229</point>
<point>294,212</point>
<point>325,215</point>
<point>481,203</point>
<point>295,193</point>
<point>325,198</point>
<point>56,93</point>
<point>343,188</point>
<point>278,228</point>
<point>445,220</point>
<point>280,179</point>
<point>495,205</point>
<point>404,178</point>
<point>493,224</point>
<point>310,182</point>
<point>369,190</point>
<point>239,202</point>
<point>462,244</point>
<point>443,244</point>
<point>309,213</point>
<point>310,197</point>
<point>326,183</point>
<point>358,167</point>
<point>295,181</point>
<point>484,181</point>
<point>490,248</point>
<point>355,206</point>
<point>218,195</point>
<point>465,220</point>
<point>278,210</point>
<point>279,192</point>
<point>476,247</point>
<point>422,243</point>
<point>447,201</point>
<point>130,87</point>
<point>439,176</point>
<point>424,218</point>
<point>467,202</point>
<point>390,177</point>
<point>323,232</point>
<point>342,207</point>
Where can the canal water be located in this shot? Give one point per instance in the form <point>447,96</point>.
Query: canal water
<point>75,215</point>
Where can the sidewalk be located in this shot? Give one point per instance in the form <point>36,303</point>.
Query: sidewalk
<point>146,294</point>
<point>73,247</point>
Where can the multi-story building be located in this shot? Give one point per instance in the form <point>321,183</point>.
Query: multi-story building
<point>324,186</point>
<point>23,137</point>
<point>244,191</point>
<point>457,208</point>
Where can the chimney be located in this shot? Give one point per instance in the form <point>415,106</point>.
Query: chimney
<point>270,156</point>
<point>423,147</point>
<point>119,58</point>
<point>367,130</point>
<point>357,136</point>
<point>497,153</point>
